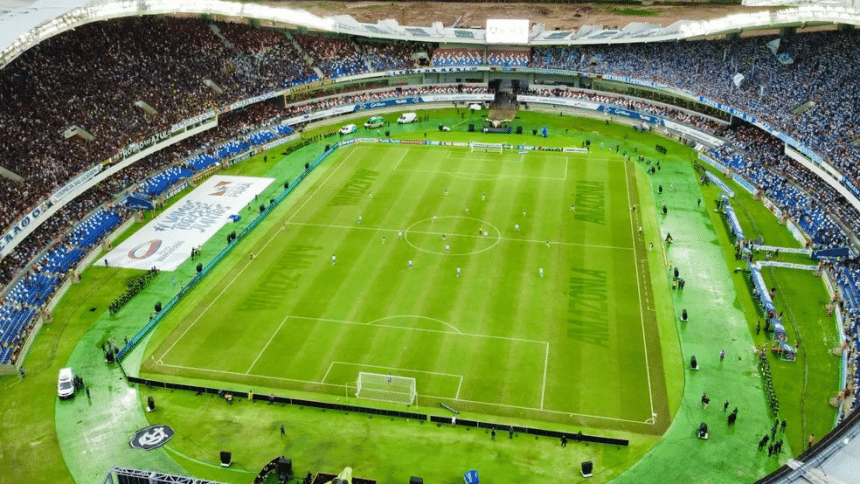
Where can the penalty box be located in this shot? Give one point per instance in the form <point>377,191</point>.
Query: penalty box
<point>445,363</point>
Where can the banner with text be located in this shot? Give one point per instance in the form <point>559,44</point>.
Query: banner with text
<point>167,241</point>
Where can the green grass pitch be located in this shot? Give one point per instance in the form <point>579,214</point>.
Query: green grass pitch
<point>499,339</point>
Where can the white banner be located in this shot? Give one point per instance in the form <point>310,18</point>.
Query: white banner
<point>75,183</point>
<point>694,133</point>
<point>167,241</point>
<point>435,98</point>
<point>560,101</point>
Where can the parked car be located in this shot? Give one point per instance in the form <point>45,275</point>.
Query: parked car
<point>66,383</point>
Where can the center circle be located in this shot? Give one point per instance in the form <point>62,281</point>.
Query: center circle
<point>464,235</point>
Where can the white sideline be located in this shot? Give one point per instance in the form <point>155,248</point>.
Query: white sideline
<point>639,293</point>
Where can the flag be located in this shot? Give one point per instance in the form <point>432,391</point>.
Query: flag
<point>738,79</point>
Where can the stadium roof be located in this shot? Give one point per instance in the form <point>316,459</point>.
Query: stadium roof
<point>24,23</point>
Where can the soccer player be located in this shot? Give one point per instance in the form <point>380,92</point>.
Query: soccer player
<point>547,242</point>
<point>410,263</point>
<point>524,212</point>
<point>446,192</point>
<point>572,208</point>
<point>359,219</point>
<point>484,196</point>
<point>447,248</point>
<point>383,239</point>
<point>458,272</point>
<point>444,236</point>
<point>371,195</point>
<point>541,271</point>
<point>389,379</point>
<point>400,234</point>
<point>434,218</point>
<point>517,227</point>
<point>333,260</point>
<point>467,209</point>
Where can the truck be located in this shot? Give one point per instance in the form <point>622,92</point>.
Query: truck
<point>407,118</point>
<point>374,122</point>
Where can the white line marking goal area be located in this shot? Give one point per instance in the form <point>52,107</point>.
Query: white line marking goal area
<point>327,358</point>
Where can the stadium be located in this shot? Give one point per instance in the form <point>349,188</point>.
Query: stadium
<point>406,242</point>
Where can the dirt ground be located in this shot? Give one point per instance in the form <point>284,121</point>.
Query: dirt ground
<point>561,16</point>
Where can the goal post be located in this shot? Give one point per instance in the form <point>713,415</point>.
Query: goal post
<point>386,388</point>
<point>486,147</point>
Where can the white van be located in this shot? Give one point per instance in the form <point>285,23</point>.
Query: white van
<point>66,383</point>
<point>349,128</point>
<point>407,118</point>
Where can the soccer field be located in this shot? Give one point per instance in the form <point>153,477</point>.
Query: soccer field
<point>470,272</point>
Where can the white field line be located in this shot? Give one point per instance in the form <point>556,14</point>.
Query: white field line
<point>239,273</point>
<point>543,387</point>
<point>401,159</point>
<point>327,371</point>
<point>460,385</point>
<point>254,375</point>
<point>639,292</point>
<point>449,234</point>
<point>566,163</point>
<point>267,345</point>
<point>471,173</point>
<point>650,420</point>
<point>425,330</point>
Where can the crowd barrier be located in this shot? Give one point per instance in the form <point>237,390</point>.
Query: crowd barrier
<point>501,427</point>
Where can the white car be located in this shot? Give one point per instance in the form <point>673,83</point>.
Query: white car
<point>66,383</point>
<point>349,128</point>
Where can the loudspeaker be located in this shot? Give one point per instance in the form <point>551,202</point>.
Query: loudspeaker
<point>158,306</point>
<point>534,132</point>
<point>285,467</point>
<point>286,185</point>
<point>519,130</point>
<point>308,165</point>
<point>587,468</point>
<point>150,404</point>
<point>416,480</point>
<point>471,128</point>
<point>262,208</point>
<point>327,147</point>
<point>199,268</point>
<point>388,134</point>
<point>226,458</point>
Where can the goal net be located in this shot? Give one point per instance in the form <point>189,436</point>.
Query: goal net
<point>486,147</point>
<point>386,388</point>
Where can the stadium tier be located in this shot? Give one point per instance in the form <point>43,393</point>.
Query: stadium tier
<point>149,62</point>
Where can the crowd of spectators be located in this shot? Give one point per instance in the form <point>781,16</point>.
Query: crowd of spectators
<point>689,118</point>
<point>457,58</point>
<point>508,58</point>
<point>396,93</point>
<point>387,57</point>
<point>335,57</point>
<point>824,73</point>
